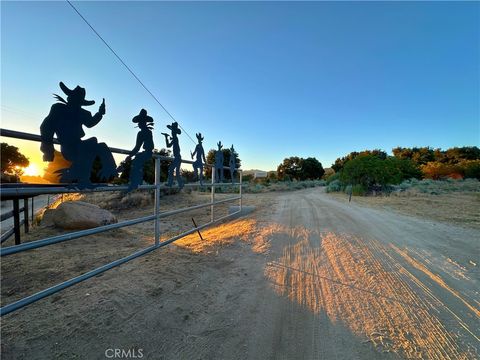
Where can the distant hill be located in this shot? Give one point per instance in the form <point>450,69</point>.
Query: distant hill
<point>253,171</point>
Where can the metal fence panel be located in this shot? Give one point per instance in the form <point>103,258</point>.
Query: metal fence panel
<point>18,191</point>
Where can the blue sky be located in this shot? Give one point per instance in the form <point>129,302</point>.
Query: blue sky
<point>276,79</point>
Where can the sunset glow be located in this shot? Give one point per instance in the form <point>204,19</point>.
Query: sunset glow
<point>32,170</point>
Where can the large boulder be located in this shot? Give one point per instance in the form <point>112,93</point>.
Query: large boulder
<point>75,215</point>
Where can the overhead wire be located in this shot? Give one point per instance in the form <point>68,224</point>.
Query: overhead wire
<point>128,68</point>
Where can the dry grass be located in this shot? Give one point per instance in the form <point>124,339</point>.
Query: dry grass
<point>54,264</point>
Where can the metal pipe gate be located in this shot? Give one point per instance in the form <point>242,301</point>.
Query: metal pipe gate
<point>16,192</point>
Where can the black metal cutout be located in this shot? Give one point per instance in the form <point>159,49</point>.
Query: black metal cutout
<point>66,120</point>
<point>232,163</point>
<point>200,159</point>
<point>145,138</point>
<point>219,163</point>
<point>172,142</point>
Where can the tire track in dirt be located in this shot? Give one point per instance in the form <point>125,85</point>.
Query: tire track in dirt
<point>370,266</point>
<point>439,304</point>
<point>416,264</point>
<point>360,283</point>
<point>441,337</point>
<point>392,320</point>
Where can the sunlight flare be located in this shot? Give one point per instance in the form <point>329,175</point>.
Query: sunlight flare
<point>32,170</point>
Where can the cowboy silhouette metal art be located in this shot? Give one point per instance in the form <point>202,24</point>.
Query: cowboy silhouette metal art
<point>232,163</point>
<point>172,142</point>
<point>66,120</point>
<point>219,163</point>
<point>145,138</point>
<point>198,163</point>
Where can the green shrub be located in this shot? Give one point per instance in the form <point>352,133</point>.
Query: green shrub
<point>436,187</point>
<point>355,190</point>
<point>332,177</point>
<point>334,186</point>
<point>358,190</point>
<point>407,168</point>
<point>369,171</point>
<point>247,178</point>
<point>281,186</point>
<point>471,169</point>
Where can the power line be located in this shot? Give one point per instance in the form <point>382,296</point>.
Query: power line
<point>128,68</point>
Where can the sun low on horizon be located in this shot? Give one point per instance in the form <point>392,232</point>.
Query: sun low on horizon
<point>33,169</point>
<point>31,150</point>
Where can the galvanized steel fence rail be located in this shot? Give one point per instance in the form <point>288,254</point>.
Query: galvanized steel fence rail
<point>12,192</point>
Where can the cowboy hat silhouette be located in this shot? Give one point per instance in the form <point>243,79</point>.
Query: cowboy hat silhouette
<point>76,95</point>
<point>174,128</point>
<point>142,117</point>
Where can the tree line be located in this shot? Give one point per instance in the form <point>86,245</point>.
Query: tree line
<point>375,168</point>
<point>365,169</point>
<point>297,168</point>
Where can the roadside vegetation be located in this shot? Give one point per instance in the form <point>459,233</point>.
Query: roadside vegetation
<point>422,170</point>
<point>275,185</point>
<point>294,173</point>
<point>369,172</point>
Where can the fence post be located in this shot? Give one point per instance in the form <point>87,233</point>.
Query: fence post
<point>25,214</point>
<point>33,207</point>
<point>157,200</point>
<point>16,221</point>
<point>212,197</point>
<point>241,193</point>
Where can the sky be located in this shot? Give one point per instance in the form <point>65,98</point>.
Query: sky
<point>275,79</point>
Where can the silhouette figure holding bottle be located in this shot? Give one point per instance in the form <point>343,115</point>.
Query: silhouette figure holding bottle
<point>198,163</point>
<point>66,119</point>
<point>145,138</point>
<point>172,142</point>
<point>219,163</point>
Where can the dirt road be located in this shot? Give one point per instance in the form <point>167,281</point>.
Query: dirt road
<point>303,277</point>
<point>364,283</point>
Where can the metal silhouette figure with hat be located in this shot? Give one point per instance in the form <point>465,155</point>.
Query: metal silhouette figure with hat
<point>66,119</point>
<point>219,163</point>
<point>172,142</point>
<point>232,163</point>
<point>145,138</point>
<point>198,163</point>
